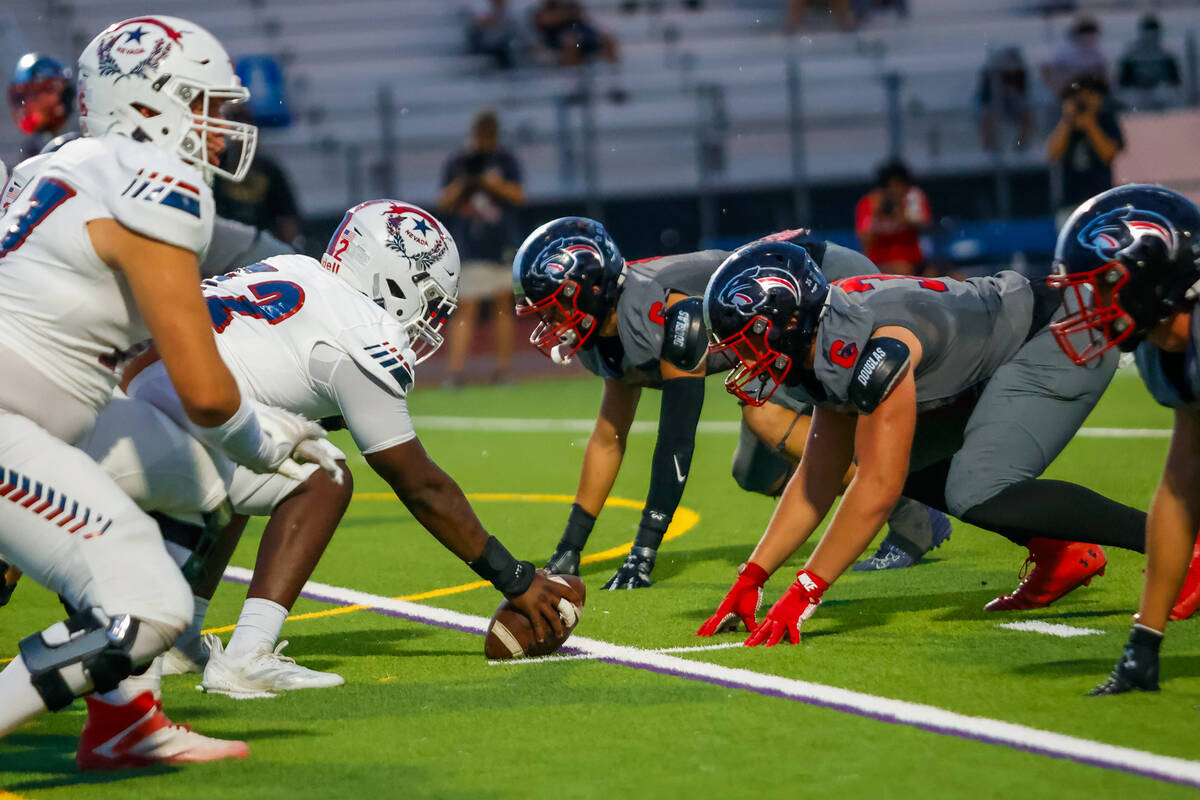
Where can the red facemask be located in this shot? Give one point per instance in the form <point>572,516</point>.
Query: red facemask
<point>758,370</point>
<point>563,328</point>
<point>1093,325</point>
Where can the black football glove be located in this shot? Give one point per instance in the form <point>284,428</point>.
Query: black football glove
<point>1138,666</point>
<point>565,561</point>
<point>635,572</point>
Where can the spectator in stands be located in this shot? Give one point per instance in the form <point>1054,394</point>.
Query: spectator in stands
<point>1147,73</point>
<point>841,11</point>
<point>264,198</point>
<point>1084,143</point>
<point>1079,56</point>
<point>566,31</point>
<point>481,192</point>
<point>1003,97</point>
<point>495,30</point>
<point>890,218</point>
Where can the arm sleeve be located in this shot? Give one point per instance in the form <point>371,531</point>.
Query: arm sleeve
<point>376,416</point>
<point>682,399</point>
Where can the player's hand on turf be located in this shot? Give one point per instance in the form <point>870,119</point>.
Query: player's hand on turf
<point>635,572</point>
<point>789,612</point>
<point>540,603</point>
<point>565,561</point>
<point>1137,667</point>
<point>741,603</point>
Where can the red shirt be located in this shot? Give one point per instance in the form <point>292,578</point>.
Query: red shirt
<point>891,241</point>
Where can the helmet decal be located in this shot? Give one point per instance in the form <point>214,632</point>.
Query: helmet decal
<point>750,291</point>
<point>140,58</point>
<point>561,256</point>
<point>415,234</point>
<point>1111,233</point>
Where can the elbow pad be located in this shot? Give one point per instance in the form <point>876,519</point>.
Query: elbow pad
<point>685,342</point>
<point>883,362</point>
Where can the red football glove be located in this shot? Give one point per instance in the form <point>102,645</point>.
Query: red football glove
<point>743,602</point>
<point>797,604</point>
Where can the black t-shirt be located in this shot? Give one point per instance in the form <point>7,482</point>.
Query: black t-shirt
<point>262,197</point>
<point>1084,174</point>
<point>483,225</point>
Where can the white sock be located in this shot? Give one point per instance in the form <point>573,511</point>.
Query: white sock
<point>259,624</point>
<point>19,701</point>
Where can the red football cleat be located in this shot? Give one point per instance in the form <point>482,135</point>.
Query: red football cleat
<point>1189,596</point>
<point>138,734</point>
<point>1058,568</point>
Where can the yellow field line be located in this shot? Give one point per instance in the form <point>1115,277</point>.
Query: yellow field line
<point>685,519</point>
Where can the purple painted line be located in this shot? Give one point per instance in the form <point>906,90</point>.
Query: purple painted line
<point>812,701</point>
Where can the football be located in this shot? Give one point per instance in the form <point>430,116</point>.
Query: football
<point>510,633</point>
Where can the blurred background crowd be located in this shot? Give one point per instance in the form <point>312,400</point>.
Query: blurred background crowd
<point>937,136</point>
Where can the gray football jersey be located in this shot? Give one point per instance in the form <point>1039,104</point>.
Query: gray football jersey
<point>235,244</point>
<point>967,330</point>
<point>634,357</point>
<point>1173,379</point>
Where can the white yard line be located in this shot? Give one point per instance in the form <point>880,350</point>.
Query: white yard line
<point>594,656</point>
<point>1050,629</point>
<point>527,425</point>
<point>884,709</point>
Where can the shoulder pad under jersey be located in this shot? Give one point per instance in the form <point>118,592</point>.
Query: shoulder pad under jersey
<point>159,196</point>
<point>883,362</point>
<point>685,342</point>
<point>21,175</point>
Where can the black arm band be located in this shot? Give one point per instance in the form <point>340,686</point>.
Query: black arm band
<point>682,399</point>
<point>498,566</point>
<point>685,343</point>
<point>579,528</point>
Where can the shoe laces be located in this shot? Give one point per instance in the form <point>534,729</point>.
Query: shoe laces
<point>1030,563</point>
<point>277,653</point>
<point>171,723</point>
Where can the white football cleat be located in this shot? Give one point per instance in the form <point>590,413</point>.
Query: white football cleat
<point>138,734</point>
<point>260,674</point>
<point>192,656</point>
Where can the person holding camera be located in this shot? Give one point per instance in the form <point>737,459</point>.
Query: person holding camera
<point>890,218</point>
<point>481,190</point>
<point>1084,143</point>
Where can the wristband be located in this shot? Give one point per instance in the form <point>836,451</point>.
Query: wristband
<point>652,528</point>
<point>241,436</point>
<point>579,528</point>
<point>497,566</point>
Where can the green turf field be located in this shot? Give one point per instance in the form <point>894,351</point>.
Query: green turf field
<point>424,715</point>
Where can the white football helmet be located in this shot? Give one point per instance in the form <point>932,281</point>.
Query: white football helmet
<point>163,64</point>
<point>401,257</point>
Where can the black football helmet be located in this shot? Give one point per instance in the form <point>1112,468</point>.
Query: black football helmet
<point>761,309</point>
<point>568,272</point>
<point>1125,260</point>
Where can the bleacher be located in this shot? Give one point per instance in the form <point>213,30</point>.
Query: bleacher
<point>339,58</point>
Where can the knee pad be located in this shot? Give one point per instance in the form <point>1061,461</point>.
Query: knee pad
<point>757,467</point>
<point>90,651</point>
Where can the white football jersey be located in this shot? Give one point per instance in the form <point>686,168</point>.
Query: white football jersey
<point>61,308</point>
<point>271,316</point>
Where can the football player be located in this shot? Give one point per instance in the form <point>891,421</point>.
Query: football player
<point>41,98</point>
<point>950,392</point>
<point>335,338</point>
<point>627,323</point>
<point>100,251</point>
<point>1128,265</point>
